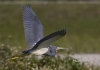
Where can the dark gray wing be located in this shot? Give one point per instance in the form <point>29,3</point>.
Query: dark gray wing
<point>48,40</point>
<point>32,27</point>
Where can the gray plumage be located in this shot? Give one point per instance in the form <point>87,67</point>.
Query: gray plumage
<point>49,39</point>
<point>34,35</point>
<point>33,27</point>
<point>51,51</point>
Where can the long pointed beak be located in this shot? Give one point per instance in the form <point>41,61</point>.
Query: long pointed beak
<point>59,48</point>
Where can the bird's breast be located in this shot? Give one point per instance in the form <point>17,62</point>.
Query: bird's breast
<point>40,51</point>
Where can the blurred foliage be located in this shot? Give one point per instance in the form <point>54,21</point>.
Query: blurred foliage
<point>44,63</point>
<point>81,21</point>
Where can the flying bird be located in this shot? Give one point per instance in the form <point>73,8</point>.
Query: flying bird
<point>37,43</point>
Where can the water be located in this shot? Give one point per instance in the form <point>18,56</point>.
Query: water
<point>90,58</point>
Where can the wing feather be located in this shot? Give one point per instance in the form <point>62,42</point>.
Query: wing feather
<point>48,40</point>
<point>32,26</point>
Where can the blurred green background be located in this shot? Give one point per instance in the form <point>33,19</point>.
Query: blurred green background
<point>82,22</point>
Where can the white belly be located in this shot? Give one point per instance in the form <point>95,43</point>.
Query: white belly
<point>40,51</point>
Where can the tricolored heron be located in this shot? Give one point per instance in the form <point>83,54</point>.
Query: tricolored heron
<point>37,43</point>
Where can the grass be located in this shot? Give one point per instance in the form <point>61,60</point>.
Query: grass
<point>81,21</point>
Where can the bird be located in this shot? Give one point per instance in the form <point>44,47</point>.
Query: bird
<point>33,29</point>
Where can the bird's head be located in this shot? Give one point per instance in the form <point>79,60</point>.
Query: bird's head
<point>52,48</point>
<point>51,51</point>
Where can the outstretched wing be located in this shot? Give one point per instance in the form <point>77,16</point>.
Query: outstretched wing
<point>48,40</point>
<point>32,27</point>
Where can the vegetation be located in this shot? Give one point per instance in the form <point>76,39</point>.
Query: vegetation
<point>35,63</point>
